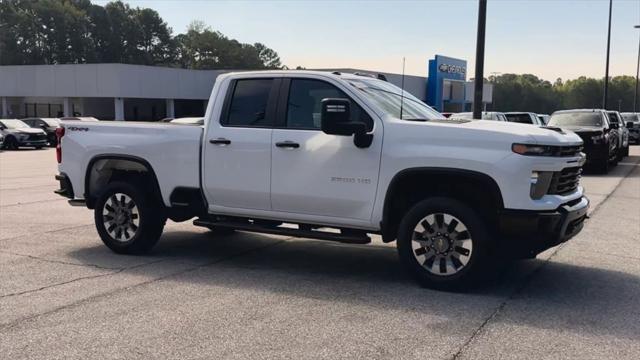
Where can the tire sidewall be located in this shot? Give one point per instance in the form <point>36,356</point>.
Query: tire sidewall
<point>149,220</point>
<point>11,143</point>
<point>481,245</point>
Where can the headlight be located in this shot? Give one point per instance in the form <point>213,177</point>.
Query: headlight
<point>533,150</point>
<point>540,181</point>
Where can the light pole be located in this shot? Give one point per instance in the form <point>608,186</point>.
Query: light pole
<point>479,76</point>
<point>606,72</point>
<point>635,96</point>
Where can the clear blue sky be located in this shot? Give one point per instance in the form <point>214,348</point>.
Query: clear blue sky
<point>549,38</point>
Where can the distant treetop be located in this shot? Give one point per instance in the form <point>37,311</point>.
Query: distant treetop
<point>77,32</point>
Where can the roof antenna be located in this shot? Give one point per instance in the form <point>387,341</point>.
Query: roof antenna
<point>402,86</point>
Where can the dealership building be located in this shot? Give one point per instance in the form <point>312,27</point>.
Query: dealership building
<point>149,93</point>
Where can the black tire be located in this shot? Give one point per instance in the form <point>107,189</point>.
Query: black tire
<point>150,216</point>
<point>478,262</point>
<point>602,166</point>
<point>626,151</point>
<point>10,143</point>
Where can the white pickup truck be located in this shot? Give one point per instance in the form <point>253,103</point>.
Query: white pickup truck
<point>336,157</point>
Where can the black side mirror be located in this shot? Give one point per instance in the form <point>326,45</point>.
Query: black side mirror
<point>335,119</point>
<point>630,124</point>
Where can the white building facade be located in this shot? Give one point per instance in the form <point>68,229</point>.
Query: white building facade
<point>105,91</point>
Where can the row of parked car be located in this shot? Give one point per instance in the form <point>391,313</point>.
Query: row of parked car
<point>606,134</point>
<point>32,132</point>
<point>41,132</point>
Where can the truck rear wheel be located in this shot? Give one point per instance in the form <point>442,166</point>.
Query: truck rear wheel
<point>128,220</point>
<point>444,244</point>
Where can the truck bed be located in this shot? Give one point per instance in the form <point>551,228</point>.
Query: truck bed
<point>172,151</point>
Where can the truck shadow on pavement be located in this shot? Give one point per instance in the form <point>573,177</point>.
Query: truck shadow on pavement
<point>528,293</point>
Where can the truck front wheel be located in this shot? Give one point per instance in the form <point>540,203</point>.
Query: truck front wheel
<point>444,244</point>
<point>128,220</point>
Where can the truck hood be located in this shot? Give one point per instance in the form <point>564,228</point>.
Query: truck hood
<point>583,129</point>
<point>535,134</point>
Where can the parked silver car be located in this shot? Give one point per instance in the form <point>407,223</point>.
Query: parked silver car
<point>17,134</point>
<point>623,133</point>
<point>632,122</point>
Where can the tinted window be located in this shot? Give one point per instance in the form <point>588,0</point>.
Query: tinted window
<point>576,119</point>
<point>613,118</point>
<point>248,105</point>
<point>520,118</point>
<point>305,104</point>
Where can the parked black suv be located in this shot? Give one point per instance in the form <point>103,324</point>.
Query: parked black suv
<point>601,140</point>
<point>49,125</point>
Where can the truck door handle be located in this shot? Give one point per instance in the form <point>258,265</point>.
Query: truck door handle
<point>220,141</point>
<point>288,144</point>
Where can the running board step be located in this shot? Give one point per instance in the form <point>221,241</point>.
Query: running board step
<point>279,230</point>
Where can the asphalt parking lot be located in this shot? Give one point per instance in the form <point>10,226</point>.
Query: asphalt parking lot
<point>65,295</point>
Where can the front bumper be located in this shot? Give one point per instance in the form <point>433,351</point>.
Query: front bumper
<point>527,233</point>
<point>33,143</point>
<point>596,152</point>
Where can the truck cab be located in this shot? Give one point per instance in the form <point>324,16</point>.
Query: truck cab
<point>336,157</point>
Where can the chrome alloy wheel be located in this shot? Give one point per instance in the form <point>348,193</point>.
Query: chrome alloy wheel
<point>442,244</point>
<point>120,217</point>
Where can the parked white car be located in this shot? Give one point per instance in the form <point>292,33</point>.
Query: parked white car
<point>486,115</point>
<point>340,156</point>
<point>632,122</point>
<point>524,118</point>
<point>188,121</point>
<point>544,118</point>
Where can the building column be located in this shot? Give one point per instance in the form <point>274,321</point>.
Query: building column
<point>171,108</point>
<point>66,107</point>
<point>119,108</point>
<point>5,109</point>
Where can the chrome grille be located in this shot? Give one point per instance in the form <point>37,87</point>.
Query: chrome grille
<point>565,181</point>
<point>569,150</point>
<point>36,137</point>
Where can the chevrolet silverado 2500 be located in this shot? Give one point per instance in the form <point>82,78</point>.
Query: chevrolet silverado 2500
<point>336,157</point>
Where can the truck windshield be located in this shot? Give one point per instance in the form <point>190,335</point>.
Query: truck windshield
<point>388,97</point>
<point>576,119</point>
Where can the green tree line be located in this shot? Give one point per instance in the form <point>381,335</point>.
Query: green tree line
<point>77,31</point>
<point>527,92</point>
